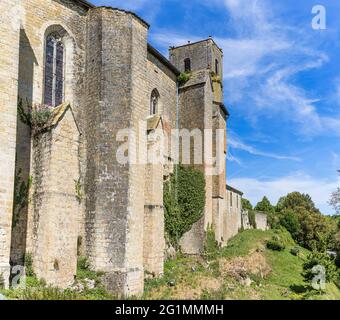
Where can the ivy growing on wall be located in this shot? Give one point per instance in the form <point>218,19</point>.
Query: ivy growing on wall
<point>184,202</point>
<point>78,189</point>
<point>21,195</point>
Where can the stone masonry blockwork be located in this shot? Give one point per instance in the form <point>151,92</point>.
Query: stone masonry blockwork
<point>83,200</point>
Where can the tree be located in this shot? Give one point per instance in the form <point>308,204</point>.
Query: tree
<point>246,204</point>
<point>335,201</point>
<point>296,200</point>
<point>264,205</point>
<point>291,222</point>
<point>316,230</point>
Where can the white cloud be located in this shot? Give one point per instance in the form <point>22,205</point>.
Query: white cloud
<point>236,143</point>
<point>320,190</point>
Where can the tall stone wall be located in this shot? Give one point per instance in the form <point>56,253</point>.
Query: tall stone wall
<point>200,108</point>
<point>261,221</point>
<point>117,99</point>
<point>9,52</point>
<point>154,238</point>
<point>161,78</point>
<point>55,205</point>
<point>39,18</point>
<point>192,116</point>
<point>232,221</point>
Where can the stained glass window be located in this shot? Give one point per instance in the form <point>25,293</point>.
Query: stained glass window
<point>54,71</point>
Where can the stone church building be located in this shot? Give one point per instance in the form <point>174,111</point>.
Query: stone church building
<point>94,66</point>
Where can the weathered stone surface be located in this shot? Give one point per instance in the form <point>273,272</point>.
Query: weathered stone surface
<point>233,220</point>
<point>261,221</point>
<point>109,74</point>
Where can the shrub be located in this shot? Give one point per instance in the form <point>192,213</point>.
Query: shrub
<point>2,281</point>
<point>295,251</point>
<point>184,202</point>
<point>275,244</point>
<point>35,117</point>
<point>211,247</point>
<point>184,77</point>
<point>28,263</point>
<point>320,259</point>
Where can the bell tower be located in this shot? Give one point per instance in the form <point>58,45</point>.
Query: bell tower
<point>201,107</point>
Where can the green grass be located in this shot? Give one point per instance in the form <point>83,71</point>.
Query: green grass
<point>38,290</point>
<point>200,277</point>
<point>283,283</point>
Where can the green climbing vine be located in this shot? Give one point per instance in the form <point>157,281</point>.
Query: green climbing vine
<point>184,202</point>
<point>78,189</point>
<point>21,195</point>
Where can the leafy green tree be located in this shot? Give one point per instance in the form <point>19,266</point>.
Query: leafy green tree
<point>264,205</point>
<point>296,200</point>
<point>290,221</point>
<point>246,204</point>
<point>316,231</point>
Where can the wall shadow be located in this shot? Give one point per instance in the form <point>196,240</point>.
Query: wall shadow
<point>27,61</point>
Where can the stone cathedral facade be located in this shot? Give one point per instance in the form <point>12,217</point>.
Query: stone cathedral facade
<point>94,66</point>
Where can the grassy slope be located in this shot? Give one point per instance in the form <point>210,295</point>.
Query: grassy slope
<point>284,281</point>
<point>202,278</point>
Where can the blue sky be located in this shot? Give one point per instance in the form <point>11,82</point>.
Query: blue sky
<point>282,87</point>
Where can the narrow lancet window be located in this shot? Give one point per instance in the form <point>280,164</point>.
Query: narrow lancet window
<point>154,102</point>
<point>54,70</point>
<point>217,68</point>
<point>187,65</point>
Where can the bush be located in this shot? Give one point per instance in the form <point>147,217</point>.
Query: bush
<point>295,251</point>
<point>184,202</point>
<point>320,259</point>
<point>29,265</point>
<point>211,247</point>
<point>275,245</point>
<point>184,77</point>
<point>35,117</point>
<point>2,281</point>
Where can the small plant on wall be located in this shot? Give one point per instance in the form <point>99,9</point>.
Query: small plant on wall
<point>35,116</point>
<point>78,189</point>
<point>184,202</point>
<point>183,78</point>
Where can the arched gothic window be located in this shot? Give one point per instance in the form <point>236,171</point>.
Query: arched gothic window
<point>154,102</point>
<point>187,65</point>
<point>54,70</point>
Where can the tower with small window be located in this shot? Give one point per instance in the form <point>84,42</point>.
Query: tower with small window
<point>201,107</point>
<point>202,55</point>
